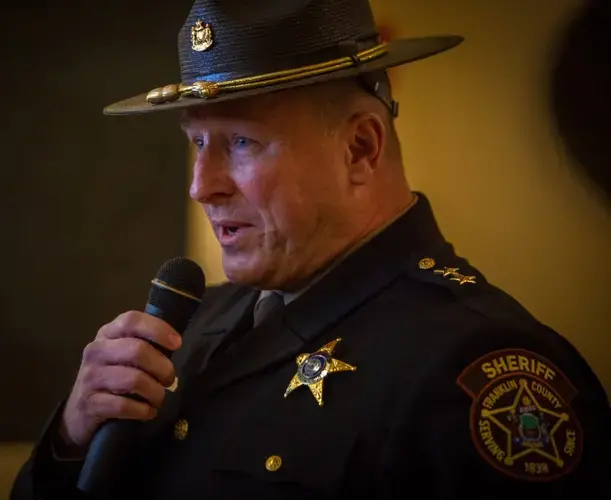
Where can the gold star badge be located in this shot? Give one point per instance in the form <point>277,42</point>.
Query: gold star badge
<point>313,368</point>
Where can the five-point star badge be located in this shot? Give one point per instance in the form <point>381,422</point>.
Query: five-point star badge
<point>313,368</point>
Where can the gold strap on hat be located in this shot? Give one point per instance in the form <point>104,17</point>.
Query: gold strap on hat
<point>206,90</point>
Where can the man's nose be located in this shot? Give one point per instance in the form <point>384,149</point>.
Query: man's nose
<point>211,178</point>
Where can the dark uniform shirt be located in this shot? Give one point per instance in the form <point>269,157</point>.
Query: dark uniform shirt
<point>401,373</point>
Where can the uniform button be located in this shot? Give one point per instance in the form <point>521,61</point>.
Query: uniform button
<point>273,463</point>
<point>426,263</point>
<point>181,429</point>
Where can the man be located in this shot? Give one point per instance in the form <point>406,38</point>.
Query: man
<point>386,366</point>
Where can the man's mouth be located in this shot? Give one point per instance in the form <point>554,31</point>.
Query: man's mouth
<point>229,231</point>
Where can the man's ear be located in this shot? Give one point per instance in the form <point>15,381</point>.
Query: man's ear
<point>366,139</point>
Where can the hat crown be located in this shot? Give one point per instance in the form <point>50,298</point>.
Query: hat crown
<point>226,39</point>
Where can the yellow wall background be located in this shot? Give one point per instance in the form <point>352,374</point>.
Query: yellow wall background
<point>478,139</point>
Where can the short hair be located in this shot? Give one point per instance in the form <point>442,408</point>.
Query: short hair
<point>334,99</point>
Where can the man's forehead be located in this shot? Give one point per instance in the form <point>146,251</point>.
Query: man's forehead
<point>260,108</point>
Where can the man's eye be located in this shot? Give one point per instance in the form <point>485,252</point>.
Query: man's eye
<point>241,142</point>
<point>199,144</point>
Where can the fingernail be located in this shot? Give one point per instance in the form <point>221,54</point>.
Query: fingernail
<point>176,341</point>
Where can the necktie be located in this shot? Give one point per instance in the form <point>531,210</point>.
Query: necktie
<point>266,306</point>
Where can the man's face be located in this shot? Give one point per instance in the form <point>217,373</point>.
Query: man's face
<point>273,183</point>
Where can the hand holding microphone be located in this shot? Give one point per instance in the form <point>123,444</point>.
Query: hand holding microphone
<point>117,363</point>
<point>125,371</point>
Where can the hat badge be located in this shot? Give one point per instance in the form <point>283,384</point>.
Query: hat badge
<point>201,36</point>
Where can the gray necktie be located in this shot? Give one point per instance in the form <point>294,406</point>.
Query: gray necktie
<point>266,306</point>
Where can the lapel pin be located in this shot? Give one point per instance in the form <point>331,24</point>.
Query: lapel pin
<point>312,369</point>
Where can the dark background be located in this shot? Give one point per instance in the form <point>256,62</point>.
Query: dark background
<point>91,205</point>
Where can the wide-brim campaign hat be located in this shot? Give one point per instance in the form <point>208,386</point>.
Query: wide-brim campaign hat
<point>230,49</point>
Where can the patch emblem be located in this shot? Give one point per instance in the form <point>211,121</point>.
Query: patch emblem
<point>521,419</point>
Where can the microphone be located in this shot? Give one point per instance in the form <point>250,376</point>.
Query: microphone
<point>174,297</point>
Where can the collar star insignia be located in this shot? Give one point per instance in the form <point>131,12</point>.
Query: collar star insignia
<point>452,272</point>
<point>462,279</point>
<point>447,271</point>
<point>313,368</point>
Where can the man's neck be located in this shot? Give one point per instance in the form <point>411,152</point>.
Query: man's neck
<point>370,231</point>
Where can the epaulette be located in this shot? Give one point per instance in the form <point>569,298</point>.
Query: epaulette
<point>446,269</point>
<point>468,285</point>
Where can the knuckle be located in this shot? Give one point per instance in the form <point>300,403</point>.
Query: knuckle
<point>89,376</point>
<point>127,320</point>
<point>134,350</point>
<point>91,351</point>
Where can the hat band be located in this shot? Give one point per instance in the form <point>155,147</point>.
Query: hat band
<point>207,89</point>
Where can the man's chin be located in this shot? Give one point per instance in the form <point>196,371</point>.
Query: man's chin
<point>246,272</point>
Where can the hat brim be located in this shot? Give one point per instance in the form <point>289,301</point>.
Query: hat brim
<point>401,51</point>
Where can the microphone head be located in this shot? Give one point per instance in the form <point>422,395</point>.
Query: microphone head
<point>177,291</point>
<point>181,274</point>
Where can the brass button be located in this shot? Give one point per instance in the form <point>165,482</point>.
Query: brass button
<point>181,429</point>
<point>426,263</point>
<point>273,463</point>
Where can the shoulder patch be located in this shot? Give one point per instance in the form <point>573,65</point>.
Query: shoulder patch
<point>521,419</point>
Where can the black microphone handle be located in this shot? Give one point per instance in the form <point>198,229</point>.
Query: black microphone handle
<point>96,478</point>
<point>108,452</point>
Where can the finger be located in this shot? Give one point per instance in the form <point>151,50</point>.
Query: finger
<point>126,380</point>
<point>131,352</point>
<point>104,406</point>
<point>139,324</point>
